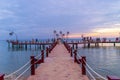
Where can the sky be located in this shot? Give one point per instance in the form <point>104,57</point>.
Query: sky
<point>39,18</point>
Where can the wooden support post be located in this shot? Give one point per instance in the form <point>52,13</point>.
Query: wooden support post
<point>114,44</point>
<point>73,46</point>
<point>71,52</point>
<point>76,46</point>
<point>83,65</point>
<point>42,56</point>
<point>88,44</point>
<point>75,56</point>
<point>25,46</point>
<point>2,76</point>
<point>113,78</point>
<point>32,65</point>
<point>47,51</point>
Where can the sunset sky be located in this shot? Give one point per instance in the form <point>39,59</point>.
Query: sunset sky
<point>38,18</point>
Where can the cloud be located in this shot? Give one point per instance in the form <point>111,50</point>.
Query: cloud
<point>6,14</point>
<point>44,16</point>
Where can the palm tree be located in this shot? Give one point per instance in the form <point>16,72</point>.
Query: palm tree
<point>11,34</point>
<point>68,34</point>
<point>55,32</point>
<point>61,34</point>
<point>57,35</point>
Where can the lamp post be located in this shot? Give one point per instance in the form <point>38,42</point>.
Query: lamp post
<point>11,33</point>
<point>67,34</point>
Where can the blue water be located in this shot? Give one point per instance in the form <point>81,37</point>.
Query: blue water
<point>11,60</point>
<point>104,60</point>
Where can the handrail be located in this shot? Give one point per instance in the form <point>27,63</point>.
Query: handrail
<point>90,74</point>
<point>18,70</point>
<point>23,73</point>
<point>86,64</point>
<point>7,76</point>
<point>95,71</point>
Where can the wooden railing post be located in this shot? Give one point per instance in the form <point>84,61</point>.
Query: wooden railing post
<point>71,52</point>
<point>113,78</point>
<point>42,56</point>
<point>32,65</point>
<point>83,65</point>
<point>47,51</point>
<point>75,56</point>
<point>2,76</point>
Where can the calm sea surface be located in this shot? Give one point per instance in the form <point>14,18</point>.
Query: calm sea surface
<point>11,60</point>
<point>104,60</point>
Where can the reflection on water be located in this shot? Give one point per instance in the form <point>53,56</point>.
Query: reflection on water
<point>104,60</point>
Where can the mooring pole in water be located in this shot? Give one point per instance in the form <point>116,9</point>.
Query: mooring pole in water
<point>83,65</point>
<point>32,65</point>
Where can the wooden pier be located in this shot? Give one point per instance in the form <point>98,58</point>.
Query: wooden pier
<point>86,43</point>
<point>58,66</point>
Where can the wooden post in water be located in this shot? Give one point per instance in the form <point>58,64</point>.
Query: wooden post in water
<point>114,44</point>
<point>88,44</point>
<point>32,65</point>
<point>83,65</point>
<point>2,76</point>
<point>76,46</point>
<point>75,56</point>
<point>26,46</point>
<point>73,46</point>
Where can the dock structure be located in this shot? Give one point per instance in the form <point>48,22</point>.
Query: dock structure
<point>58,66</point>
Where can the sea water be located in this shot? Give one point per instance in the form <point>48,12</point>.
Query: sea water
<point>11,60</point>
<point>105,59</point>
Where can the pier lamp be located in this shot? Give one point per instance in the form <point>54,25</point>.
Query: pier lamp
<point>11,33</point>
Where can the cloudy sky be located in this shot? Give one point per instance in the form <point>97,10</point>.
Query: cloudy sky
<point>38,18</point>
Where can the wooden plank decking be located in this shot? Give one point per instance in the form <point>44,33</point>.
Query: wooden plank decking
<point>58,66</point>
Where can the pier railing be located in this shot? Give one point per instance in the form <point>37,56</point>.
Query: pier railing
<point>29,67</point>
<point>88,70</point>
<point>21,72</point>
<point>85,67</point>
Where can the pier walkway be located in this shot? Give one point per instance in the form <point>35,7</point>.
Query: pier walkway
<point>58,66</point>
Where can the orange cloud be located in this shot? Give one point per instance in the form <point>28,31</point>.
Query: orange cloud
<point>100,32</point>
